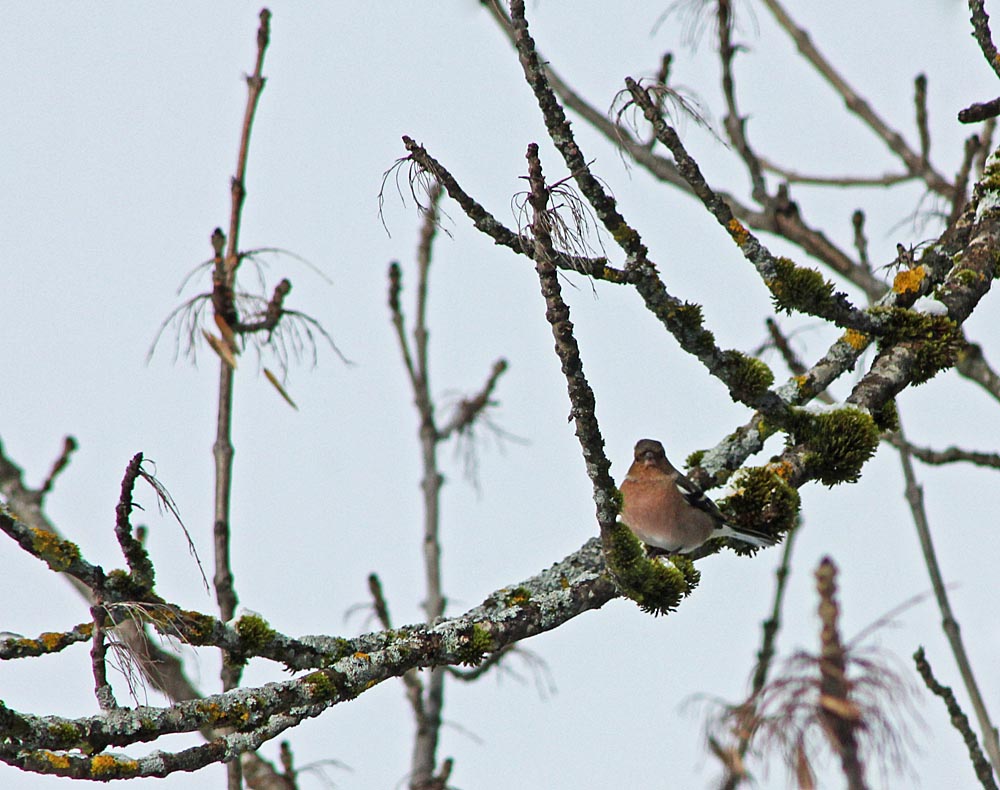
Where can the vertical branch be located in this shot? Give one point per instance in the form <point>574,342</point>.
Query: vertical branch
<point>98,656</point>
<point>255,85</point>
<point>428,700</point>
<point>432,480</point>
<point>915,499</point>
<point>222,450</point>
<point>920,103</point>
<point>557,314</point>
<point>429,724</point>
<point>734,122</point>
<point>839,715</point>
<point>225,275</point>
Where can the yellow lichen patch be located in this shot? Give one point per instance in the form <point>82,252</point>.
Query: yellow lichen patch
<point>51,640</point>
<point>60,761</point>
<point>738,232</point>
<point>107,766</point>
<point>908,281</point>
<point>59,554</point>
<point>855,339</point>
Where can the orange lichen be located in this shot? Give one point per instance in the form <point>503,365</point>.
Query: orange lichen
<point>738,232</point>
<point>908,281</point>
<point>855,339</point>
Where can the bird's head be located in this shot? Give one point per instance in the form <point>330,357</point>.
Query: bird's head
<point>649,452</point>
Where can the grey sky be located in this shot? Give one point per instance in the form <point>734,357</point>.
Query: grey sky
<point>120,126</point>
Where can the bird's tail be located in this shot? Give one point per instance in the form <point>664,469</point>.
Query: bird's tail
<point>754,538</point>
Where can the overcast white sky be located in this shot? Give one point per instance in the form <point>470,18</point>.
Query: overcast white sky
<point>119,126</point>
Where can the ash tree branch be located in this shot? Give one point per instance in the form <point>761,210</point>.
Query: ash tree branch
<point>746,381</point>
<point>734,122</point>
<point>577,584</point>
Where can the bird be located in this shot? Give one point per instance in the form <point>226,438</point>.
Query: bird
<point>665,509</point>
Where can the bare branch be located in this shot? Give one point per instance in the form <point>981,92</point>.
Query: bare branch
<point>977,112</point>
<point>949,455</point>
<point>959,721</point>
<point>856,104</point>
<point>920,101</point>
<point>69,447</point>
<point>915,499</point>
<point>469,409</point>
<point>981,32</point>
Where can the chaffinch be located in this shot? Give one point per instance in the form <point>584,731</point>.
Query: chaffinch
<point>665,509</point>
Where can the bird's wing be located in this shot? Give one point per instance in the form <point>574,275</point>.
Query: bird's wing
<point>695,497</point>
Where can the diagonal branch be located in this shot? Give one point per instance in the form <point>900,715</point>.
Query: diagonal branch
<point>856,104</point>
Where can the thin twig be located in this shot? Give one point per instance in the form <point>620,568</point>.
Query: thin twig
<point>139,564</point>
<point>69,447</point>
<point>791,176</point>
<point>469,409</point>
<point>980,111</point>
<point>923,129</point>
<point>961,197</point>
<point>770,628</point>
<point>734,122</point>
<point>959,721</point>
<point>483,221</point>
<point>860,239</point>
<point>949,455</point>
